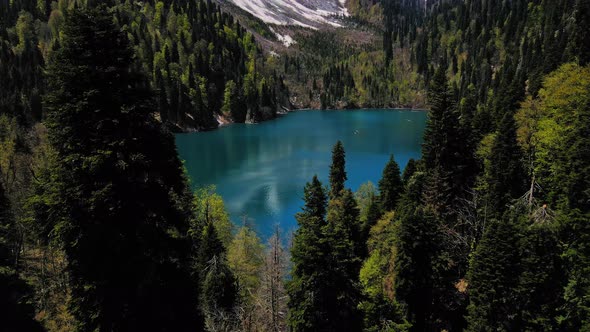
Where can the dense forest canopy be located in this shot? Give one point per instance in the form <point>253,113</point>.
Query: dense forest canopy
<point>488,231</point>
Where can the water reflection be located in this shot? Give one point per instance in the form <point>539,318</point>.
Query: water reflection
<point>260,170</point>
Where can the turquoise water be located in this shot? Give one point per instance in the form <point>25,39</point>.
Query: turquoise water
<point>260,170</point>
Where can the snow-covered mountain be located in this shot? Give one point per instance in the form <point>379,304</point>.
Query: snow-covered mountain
<point>306,13</point>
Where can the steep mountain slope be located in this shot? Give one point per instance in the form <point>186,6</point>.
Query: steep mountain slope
<point>305,13</point>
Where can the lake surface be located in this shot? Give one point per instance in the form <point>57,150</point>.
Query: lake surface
<point>261,169</point>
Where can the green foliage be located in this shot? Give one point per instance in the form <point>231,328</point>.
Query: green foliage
<point>443,149</point>
<point>380,308</point>
<point>231,101</point>
<point>504,176</point>
<point>219,292</point>
<point>345,253</point>
<point>369,208</point>
<point>563,151</point>
<point>308,287</point>
<point>541,281</point>
<point>124,208</point>
<point>245,256</point>
<point>390,185</point>
<point>419,266</point>
<point>365,196</point>
<point>209,207</point>
<point>409,171</point>
<point>493,278</point>
<point>576,258</point>
<point>326,256</point>
<point>337,170</point>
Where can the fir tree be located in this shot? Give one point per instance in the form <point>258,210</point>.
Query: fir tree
<point>575,313</point>
<point>411,168</point>
<point>210,246</point>
<point>219,288</point>
<point>493,279</point>
<point>337,170</point>
<point>443,147</point>
<point>309,286</point>
<point>390,185</point>
<point>373,214</point>
<point>540,287</point>
<point>124,207</point>
<point>418,264</point>
<point>440,117</point>
<point>505,176</point>
<point>345,258</point>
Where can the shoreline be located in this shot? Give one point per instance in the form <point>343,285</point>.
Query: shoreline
<point>282,114</point>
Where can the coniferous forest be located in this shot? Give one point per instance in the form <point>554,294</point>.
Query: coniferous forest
<point>488,231</point>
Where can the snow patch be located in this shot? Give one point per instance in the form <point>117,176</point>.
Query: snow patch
<point>284,39</point>
<point>305,13</point>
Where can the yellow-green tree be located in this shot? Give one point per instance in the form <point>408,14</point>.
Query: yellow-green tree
<point>209,207</point>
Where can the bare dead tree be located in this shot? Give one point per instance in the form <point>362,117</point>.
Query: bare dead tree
<point>271,299</point>
<point>462,237</point>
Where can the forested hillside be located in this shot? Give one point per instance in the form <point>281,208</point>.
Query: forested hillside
<point>203,64</point>
<point>488,231</point>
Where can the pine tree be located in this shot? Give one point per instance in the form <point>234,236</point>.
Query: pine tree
<point>210,246</point>
<point>493,279</point>
<point>346,251</point>
<point>337,170</point>
<point>308,288</point>
<point>575,313</point>
<point>540,288</point>
<point>373,215</point>
<point>418,264</point>
<point>443,146</point>
<point>390,185</point>
<point>124,205</point>
<point>411,168</point>
<point>505,179</point>
<point>434,149</point>
<point>219,295</point>
<point>219,288</point>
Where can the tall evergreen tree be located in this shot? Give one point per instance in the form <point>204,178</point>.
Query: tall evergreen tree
<point>505,177</point>
<point>440,120</point>
<point>443,147</point>
<point>219,288</point>
<point>390,185</point>
<point>540,288</point>
<point>418,264</point>
<point>373,214</point>
<point>346,251</point>
<point>493,279</point>
<point>409,170</point>
<point>575,314</point>
<point>309,284</point>
<point>337,170</point>
<point>120,204</point>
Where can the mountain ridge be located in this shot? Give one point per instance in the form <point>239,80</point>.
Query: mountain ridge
<point>313,14</point>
